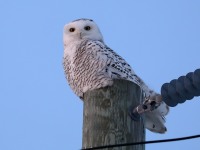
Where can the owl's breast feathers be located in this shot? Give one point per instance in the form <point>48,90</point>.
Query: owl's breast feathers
<point>94,65</point>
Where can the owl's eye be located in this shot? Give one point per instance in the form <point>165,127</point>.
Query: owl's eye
<point>71,29</point>
<point>87,28</point>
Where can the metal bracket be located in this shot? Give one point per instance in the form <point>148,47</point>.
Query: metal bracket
<point>148,105</point>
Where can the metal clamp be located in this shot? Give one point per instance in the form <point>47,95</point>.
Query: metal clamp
<point>148,105</point>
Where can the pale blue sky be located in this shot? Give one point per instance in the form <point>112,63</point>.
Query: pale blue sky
<point>39,111</point>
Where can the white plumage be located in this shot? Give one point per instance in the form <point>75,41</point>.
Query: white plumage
<point>90,64</point>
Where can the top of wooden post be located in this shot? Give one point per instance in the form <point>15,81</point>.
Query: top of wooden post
<point>106,119</point>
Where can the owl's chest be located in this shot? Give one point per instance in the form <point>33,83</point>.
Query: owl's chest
<point>70,50</point>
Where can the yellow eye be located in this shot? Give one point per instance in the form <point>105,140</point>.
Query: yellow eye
<point>87,28</point>
<point>71,29</point>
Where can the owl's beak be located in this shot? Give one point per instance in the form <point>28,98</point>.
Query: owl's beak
<point>81,35</point>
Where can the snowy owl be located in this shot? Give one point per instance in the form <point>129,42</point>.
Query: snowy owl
<point>90,64</point>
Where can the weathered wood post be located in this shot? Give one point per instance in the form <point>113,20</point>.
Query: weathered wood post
<point>106,120</point>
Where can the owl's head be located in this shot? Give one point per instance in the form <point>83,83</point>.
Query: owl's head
<point>82,29</point>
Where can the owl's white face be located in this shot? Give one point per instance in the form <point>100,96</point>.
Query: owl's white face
<point>82,29</point>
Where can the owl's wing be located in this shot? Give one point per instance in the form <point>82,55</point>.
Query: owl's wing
<point>116,66</point>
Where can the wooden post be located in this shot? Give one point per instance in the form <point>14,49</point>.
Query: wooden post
<point>106,117</point>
